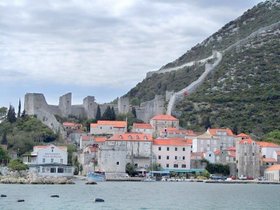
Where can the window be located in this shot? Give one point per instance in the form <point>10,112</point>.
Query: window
<point>184,149</point>
<point>183,157</point>
<point>253,154</point>
<point>52,160</point>
<point>61,160</point>
<point>167,157</point>
<point>118,163</point>
<point>176,149</point>
<point>159,148</point>
<point>183,165</point>
<point>175,165</point>
<point>44,160</point>
<point>60,170</point>
<point>53,170</point>
<point>159,157</point>
<point>209,155</point>
<point>167,148</point>
<point>175,157</point>
<point>136,165</point>
<point>167,165</point>
<point>43,170</point>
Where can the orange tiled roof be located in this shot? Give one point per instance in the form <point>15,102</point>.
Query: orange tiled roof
<point>164,117</point>
<point>274,168</point>
<point>131,137</point>
<point>267,144</point>
<point>269,160</point>
<point>173,142</point>
<point>231,149</point>
<point>116,124</point>
<point>213,131</point>
<point>86,138</point>
<point>246,141</point>
<point>178,131</point>
<point>100,139</point>
<point>243,135</point>
<point>232,154</point>
<point>142,126</point>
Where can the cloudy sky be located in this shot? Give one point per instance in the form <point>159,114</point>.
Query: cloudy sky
<point>98,47</point>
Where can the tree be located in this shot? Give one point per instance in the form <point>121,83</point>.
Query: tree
<point>4,157</point>
<point>133,111</point>
<point>23,114</point>
<point>113,114</point>
<point>107,115</point>
<point>17,165</point>
<point>11,116</point>
<point>130,169</point>
<point>4,140</point>
<point>98,113</point>
<point>3,112</point>
<point>19,109</point>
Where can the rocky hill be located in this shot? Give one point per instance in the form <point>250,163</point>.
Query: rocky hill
<point>242,92</point>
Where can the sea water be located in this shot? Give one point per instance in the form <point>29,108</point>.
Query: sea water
<point>141,195</point>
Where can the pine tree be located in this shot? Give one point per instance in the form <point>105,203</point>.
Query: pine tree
<point>23,114</point>
<point>107,115</point>
<point>19,109</point>
<point>98,113</point>
<point>133,111</point>
<point>4,140</point>
<point>11,116</point>
<point>113,114</point>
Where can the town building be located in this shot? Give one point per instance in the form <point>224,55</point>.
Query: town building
<point>177,133</point>
<point>272,173</point>
<point>161,122</point>
<point>248,158</point>
<point>173,153</point>
<point>142,128</point>
<point>107,127</point>
<point>214,139</point>
<point>49,160</point>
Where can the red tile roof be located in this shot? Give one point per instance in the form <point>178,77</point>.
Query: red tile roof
<point>142,126</point>
<point>164,117</point>
<point>86,138</point>
<point>214,131</point>
<point>243,135</point>
<point>100,139</point>
<point>116,124</point>
<point>269,160</point>
<point>266,144</point>
<point>246,141</point>
<point>274,168</point>
<point>173,142</point>
<point>131,137</point>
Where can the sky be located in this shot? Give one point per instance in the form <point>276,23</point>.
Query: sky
<point>101,48</point>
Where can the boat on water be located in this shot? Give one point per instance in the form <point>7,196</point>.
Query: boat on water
<point>96,176</point>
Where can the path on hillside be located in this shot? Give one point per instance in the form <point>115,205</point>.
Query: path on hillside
<point>208,68</point>
<point>195,84</point>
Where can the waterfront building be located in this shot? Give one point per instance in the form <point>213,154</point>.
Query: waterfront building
<point>142,128</point>
<point>177,133</point>
<point>272,173</point>
<point>172,153</point>
<point>268,148</point>
<point>49,160</point>
<point>214,139</point>
<point>161,122</point>
<point>248,158</point>
<point>107,127</point>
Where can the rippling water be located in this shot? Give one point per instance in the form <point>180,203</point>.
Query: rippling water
<point>141,195</point>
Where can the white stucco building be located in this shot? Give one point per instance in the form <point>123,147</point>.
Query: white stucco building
<point>172,153</point>
<point>272,173</point>
<point>49,160</point>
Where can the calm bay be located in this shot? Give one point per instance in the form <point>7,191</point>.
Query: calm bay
<point>141,195</point>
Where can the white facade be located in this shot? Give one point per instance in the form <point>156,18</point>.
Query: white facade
<point>267,152</point>
<point>108,127</point>
<point>172,156</point>
<point>272,173</point>
<point>49,160</point>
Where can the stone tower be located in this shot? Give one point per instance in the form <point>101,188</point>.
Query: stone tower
<point>90,106</point>
<point>65,103</point>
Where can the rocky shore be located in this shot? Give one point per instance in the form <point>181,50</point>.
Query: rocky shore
<point>25,177</point>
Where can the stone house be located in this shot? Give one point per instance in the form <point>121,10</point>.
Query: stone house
<point>142,128</point>
<point>248,158</point>
<point>177,133</point>
<point>161,122</point>
<point>107,127</point>
<point>172,153</point>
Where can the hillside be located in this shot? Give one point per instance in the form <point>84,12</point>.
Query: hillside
<point>242,93</point>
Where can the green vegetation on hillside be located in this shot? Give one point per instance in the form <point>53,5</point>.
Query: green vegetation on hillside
<point>243,93</point>
<point>25,132</point>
